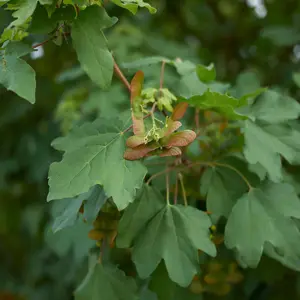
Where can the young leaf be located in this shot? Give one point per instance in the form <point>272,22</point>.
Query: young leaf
<point>206,74</point>
<point>265,143</point>
<point>174,234</point>
<point>132,5</point>
<point>106,283</point>
<point>222,103</point>
<point>94,155</point>
<point>25,10</point>
<point>23,84</point>
<point>91,45</point>
<point>263,216</point>
<point>142,62</point>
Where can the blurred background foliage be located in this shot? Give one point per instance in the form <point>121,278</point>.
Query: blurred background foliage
<point>252,43</point>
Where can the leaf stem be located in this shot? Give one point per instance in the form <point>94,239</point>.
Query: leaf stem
<point>197,122</point>
<point>44,42</point>
<point>176,190</point>
<point>161,173</point>
<point>120,74</point>
<point>237,171</point>
<point>183,189</point>
<point>168,188</point>
<point>162,74</point>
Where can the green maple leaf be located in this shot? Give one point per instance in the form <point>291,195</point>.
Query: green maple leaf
<point>133,5</point>
<point>95,199</point>
<point>272,107</point>
<point>265,143</point>
<point>174,234</point>
<point>106,283</point>
<point>222,103</point>
<point>223,187</point>
<point>206,74</point>
<point>145,61</point>
<point>166,289</point>
<point>261,220</point>
<point>148,203</point>
<point>24,10</point>
<point>74,238</point>
<point>94,155</point>
<point>91,45</point>
<point>66,212</point>
<point>15,74</point>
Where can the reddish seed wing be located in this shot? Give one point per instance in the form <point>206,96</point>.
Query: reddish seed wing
<point>136,87</point>
<point>179,111</point>
<point>180,139</point>
<point>134,141</point>
<point>139,151</point>
<point>172,126</point>
<point>174,151</point>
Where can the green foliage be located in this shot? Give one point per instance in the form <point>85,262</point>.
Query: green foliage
<point>91,46</point>
<point>15,74</point>
<point>177,178</point>
<point>106,282</point>
<point>88,149</point>
<point>261,221</point>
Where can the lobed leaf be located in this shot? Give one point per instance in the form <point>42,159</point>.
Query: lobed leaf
<point>91,45</point>
<point>170,233</point>
<point>265,143</point>
<point>15,74</point>
<point>206,74</point>
<point>133,5</point>
<point>106,283</point>
<point>94,155</point>
<point>261,221</point>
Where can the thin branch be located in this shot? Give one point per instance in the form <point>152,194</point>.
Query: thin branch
<point>168,188</point>
<point>161,173</point>
<point>44,42</point>
<point>162,75</point>
<point>176,190</point>
<point>120,74</point>
<point>237,171</point>
<point>183,189</point>
<point>197,123</point>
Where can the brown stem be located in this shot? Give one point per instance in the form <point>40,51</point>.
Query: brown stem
<point>176,190</point>
<point>168,170</point>
<point>183,189</point>
<point>197,123</point>
<point>168,188</point>
<point>120,74</point>
<point>43,43</point>
<point>162,75</point>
